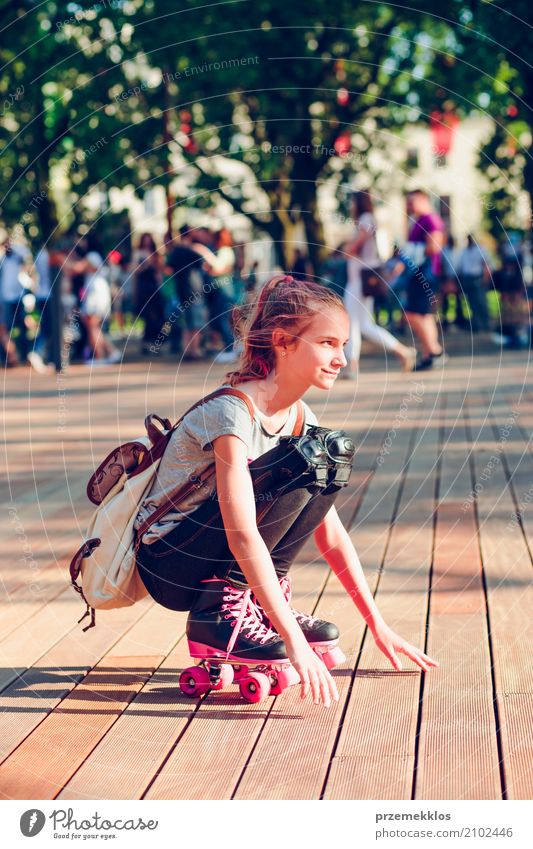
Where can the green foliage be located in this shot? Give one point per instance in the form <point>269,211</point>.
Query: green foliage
<point>486,70</point>
<point>155,93</point>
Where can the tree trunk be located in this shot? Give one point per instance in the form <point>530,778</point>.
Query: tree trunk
<point>304,199</point>
<point>43,203</point>
<point>314,232</point>
<point>528,183</point>
<point>280,237</point>
<point>528,168</point>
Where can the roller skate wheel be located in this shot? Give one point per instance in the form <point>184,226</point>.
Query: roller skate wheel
<point>333,657</point>
<point>255,687</point>
<point>225,679</point>
<point>284,678</point>
<point>195,681</point>
<point>239,672</point>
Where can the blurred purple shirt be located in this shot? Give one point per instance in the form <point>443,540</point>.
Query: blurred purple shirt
<point>429,223</point>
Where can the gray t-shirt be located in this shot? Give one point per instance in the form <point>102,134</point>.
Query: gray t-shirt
<point>190,451</point>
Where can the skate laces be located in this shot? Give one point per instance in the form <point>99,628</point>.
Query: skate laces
<point>238,603</point>
<point>301,618</point>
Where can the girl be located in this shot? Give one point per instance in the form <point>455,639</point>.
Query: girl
<point>363,253</point>
<point>95,306</point>
<point>215,552</point>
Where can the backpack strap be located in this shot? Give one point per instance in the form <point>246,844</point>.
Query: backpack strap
<point>154,432</point>
<point>215,394</point>
<point>300,418</point>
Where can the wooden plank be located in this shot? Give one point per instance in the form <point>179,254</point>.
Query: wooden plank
<point>458,755</point>
<point>75,727</point>
<point>155,719</point>
<point>458,752</point>
<point>506,555</point>
<point>380,720</point>
<point>34,694</point>
<point>516,710</point>
<point>42,587</point>
<point>43,762</point>
<point>27,643</point>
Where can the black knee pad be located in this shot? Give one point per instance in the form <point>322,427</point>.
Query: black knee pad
<point>320,458</point>
<point>341,450</point>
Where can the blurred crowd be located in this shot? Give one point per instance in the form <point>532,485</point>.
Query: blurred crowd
<point>429,286</point>
<point>177,297</point>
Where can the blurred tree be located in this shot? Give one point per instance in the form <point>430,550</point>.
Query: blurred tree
<point>63,66</point>
<point>296,93</point>
<point>482,66</point>
<point>125,92</point>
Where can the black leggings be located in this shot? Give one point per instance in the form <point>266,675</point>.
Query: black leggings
<point>197,547</point>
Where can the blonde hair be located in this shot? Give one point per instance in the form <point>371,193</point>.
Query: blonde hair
<point>282,303</point>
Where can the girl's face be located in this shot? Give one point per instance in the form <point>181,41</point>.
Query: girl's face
<point>318,355</point>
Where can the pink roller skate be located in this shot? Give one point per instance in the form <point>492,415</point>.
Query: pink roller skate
<point>322,636</point>
<point>226,632</point>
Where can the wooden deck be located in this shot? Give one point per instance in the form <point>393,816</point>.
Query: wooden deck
<point>100,716</point>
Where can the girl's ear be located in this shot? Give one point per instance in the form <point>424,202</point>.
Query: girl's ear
<point>282,340</point>
<point>279,338</point>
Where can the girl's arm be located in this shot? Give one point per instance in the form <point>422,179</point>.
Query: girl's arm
<point>77,266</point>
<point>237,506</point>
<point>217,265</point>
<point>353,248</point>
<point>335,545</point>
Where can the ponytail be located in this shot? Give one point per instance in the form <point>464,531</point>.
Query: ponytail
<point>282,303</point>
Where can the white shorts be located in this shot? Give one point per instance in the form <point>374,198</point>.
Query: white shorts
<point>96,299</point>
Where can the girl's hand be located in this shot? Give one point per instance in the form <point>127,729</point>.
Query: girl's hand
<point>314,675</point>
<point>390,644</point>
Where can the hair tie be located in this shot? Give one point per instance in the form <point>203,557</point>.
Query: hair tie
<point>269,286</point>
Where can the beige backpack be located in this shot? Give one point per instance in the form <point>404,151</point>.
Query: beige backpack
<point>103,570</point>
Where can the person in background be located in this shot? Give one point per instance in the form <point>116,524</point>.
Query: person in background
<point>449,284</point>
<point>514,306</point>
<point>239,284</point>
<point>8,349</point>
<point>392,268</point>
<point>183,263</point>
<point>41,347</point>
<point>149,305</point>
<point>116,274</point>
<point>14,264</point>
<point>95,305</point>
<point>77,286</point>
<point>473,268</point>
<point>362,253</point>
<point>221,265</point>
<point>422,260</point>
